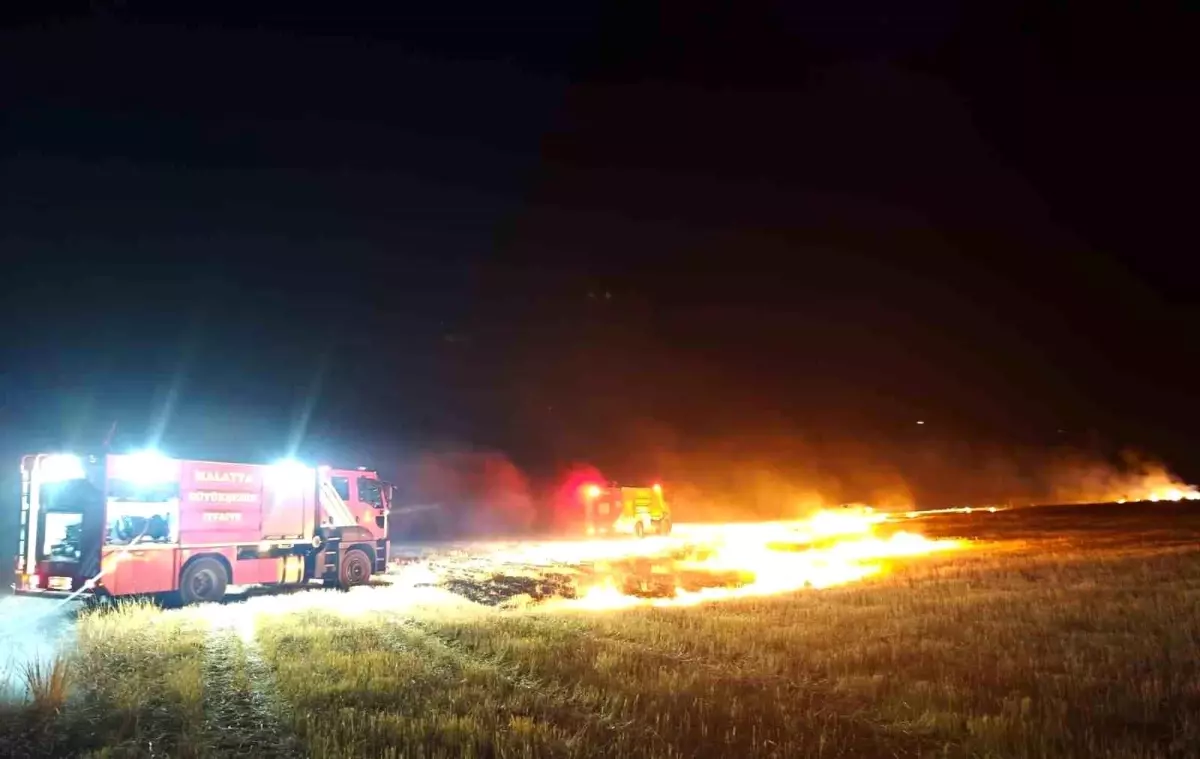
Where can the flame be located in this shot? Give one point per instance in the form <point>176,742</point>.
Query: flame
<point>1155,494</point>
<point>1152,482</point>
<point>954,510</point>
<point>834,547</point>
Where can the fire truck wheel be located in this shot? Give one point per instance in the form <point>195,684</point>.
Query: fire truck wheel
<point>664,526</point>
<point>202,581</point>
<point>638,529</point>
<point>96,601</point>
<point>355,569</point>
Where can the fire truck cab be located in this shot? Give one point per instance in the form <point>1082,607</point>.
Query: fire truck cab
<point>143,523</point>
<point>617,510</point>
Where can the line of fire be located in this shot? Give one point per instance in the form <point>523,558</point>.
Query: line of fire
<point>189,531</point>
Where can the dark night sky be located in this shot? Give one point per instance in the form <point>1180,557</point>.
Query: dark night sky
<point>544,230</point>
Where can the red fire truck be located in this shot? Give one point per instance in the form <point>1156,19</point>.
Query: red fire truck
<point>143,523</point>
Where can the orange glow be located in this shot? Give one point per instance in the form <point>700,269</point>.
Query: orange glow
<point>657,488</point>
<point>713,562</point>
<point>593,491</point>
<point>1152,482</point>
<point>954,510</point>
<point>1156,492</point>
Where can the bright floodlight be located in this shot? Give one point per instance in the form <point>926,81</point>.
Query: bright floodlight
<point>290,472</point>
<point>59,467</point>
<point>150,467</point>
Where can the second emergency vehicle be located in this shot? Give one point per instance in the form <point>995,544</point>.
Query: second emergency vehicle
<point>615,510</point>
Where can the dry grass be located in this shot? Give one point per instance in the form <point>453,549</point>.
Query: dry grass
<point>46,682</point>
<point>1081,641</point>
<point>143,671</point>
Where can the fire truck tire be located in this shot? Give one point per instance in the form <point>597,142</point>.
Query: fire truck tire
<point>202,581</point>
<point>355,568</point>
<point>664,526</point>
<point>96,601</point>
<point>639,530</point>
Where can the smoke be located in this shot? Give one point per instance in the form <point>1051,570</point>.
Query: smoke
<point>1082,480</point>
<point>762,476</point>
<point>788,477</point>
<point>563,495</point>
<point>461,494</point>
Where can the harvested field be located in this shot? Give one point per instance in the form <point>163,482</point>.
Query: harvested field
<point>1062,632</point>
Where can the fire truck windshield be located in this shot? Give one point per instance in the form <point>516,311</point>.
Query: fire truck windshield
<point>370,491</point>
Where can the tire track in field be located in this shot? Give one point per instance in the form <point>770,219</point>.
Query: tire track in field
<point>610,706</point>
<point>378,686</point>
<point>525,697</point>
<point>242,709</point>
<point>648,687</point>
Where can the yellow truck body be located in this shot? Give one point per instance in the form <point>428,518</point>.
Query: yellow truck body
<point>617,510</point>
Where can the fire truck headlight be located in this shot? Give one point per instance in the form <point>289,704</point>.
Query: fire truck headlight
<point>147,467</point>
<point>60,467</point>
